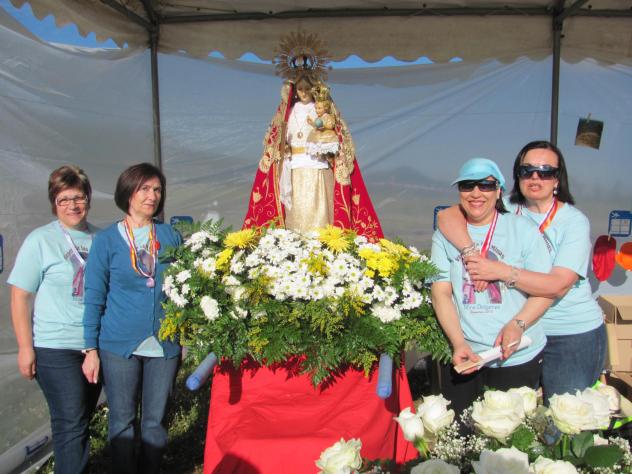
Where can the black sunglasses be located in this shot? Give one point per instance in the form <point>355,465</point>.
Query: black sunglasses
<point>543,172</point>
<point>483,185</point>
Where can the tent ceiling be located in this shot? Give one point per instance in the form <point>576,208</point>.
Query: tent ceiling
<point>371,29</point>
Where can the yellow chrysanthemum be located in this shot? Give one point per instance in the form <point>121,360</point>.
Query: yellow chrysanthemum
<point>381,262</point>
<point>335,238</point>
<point>395,249</point>
<point>241,239</point>
<point>223,259</point>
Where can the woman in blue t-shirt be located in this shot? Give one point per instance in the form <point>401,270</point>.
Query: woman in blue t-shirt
<point>478,321</point>
<point>50,266</point>
<point>123,313</point>
<point>576,337</point>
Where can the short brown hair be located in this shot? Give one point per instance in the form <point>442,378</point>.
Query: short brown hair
<point>132,179</point>
<point>67,177</point>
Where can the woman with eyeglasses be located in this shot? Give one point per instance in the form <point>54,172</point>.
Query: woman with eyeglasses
<point>478,321</point>
<point>122,318</point>
<point>49,331</point>
<point>574,355</point>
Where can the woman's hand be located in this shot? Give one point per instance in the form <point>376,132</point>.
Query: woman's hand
<point>481,268</point>
<point>26,362</point>
<point>463,353</point>
<point>90,367</point>
<point>508,339</point>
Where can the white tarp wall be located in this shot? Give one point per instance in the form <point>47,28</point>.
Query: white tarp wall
<point>413,127</point>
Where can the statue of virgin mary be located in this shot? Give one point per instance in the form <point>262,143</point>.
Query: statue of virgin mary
<point>293,188</point>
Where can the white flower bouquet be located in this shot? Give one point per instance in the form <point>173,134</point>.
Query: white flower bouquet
<point>328,299</point>
<point>512,433</point>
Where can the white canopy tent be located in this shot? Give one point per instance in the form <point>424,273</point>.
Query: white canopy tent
<point>413,126</point>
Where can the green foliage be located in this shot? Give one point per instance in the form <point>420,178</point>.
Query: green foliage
<point>523,438</point>
<point>602,456</point>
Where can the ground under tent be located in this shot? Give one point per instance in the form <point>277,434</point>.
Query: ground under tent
<point>413,126</point>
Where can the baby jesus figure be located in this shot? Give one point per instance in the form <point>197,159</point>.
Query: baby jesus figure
<point>322,142</point>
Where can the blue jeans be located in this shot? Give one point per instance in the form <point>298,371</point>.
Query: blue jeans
<point>71,401</point>
<point>573,362</point>
<point>128,382</point>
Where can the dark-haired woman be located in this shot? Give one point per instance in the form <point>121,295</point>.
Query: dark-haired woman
<point>576,337</point>
<point>476,322</point>
<point>50,265</point>
<point>123,315</point>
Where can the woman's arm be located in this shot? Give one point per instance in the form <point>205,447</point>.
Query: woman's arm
<point>512,331</point>
<point>97,277</point>
<point>22,326</point>
<point>449,319</point>
<point>548,285</point>
<point>452,224</point>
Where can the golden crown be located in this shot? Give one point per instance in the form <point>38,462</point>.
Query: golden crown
<point>301,54</point>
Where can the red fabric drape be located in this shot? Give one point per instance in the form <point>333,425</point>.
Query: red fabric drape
<point>267,421</point>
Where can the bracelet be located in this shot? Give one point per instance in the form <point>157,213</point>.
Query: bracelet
<point>468,250</point>
<point>513,277</point>
<point>85,351</point>
<point>521,324</point>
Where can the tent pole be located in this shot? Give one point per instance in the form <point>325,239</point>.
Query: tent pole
<point>155,95</point>
<point>555,83</point>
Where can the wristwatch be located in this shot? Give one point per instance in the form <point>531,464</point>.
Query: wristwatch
<point>85,351</point>
<point>521,324</point>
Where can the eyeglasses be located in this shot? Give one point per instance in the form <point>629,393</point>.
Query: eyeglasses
<point>543,172</point>
<point>65,201</point>
<point>484,185</point>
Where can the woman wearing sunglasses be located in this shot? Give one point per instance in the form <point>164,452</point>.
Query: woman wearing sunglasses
<point>478,321</point>
<point>576,337</point>
<point>47,313</point>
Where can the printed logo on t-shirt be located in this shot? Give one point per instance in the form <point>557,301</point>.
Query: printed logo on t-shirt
<point>77,271</point>
<point>493,296</point>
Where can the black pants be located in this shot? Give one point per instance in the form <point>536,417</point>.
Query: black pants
<point>462,390</point>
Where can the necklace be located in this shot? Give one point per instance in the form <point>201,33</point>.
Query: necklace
<point>300,127</point>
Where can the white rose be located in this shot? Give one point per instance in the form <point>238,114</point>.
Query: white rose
<point>529,399</point>
<point>548,466</point>
<point>435,466</point>
<point>499,414</point>
<point>601,407</point>
<point>505,461</point>
<point>411,424</point>
<point>614,397</point>
<point>570,413</point>
<point>210,308</point>
<point>341,458</point>
<point>434,413</point>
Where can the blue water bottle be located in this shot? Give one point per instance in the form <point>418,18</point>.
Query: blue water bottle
<point>385,377</point>
<point>202,373</point>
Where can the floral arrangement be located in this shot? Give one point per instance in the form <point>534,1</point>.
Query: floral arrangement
<point>510,432</point>
<point>326,299</point>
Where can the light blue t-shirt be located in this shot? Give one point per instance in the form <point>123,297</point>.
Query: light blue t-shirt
<point>150,347</point>
<point>47,266</point>
<point>568,241</point>
<point>516,241</point>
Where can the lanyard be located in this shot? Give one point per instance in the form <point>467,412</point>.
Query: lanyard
<point>133,255</point>
<point>548,218</point>
<point>72,246</point>
<point>490,233</point>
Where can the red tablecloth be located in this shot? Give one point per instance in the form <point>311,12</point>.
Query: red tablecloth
<point>265,421</point>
